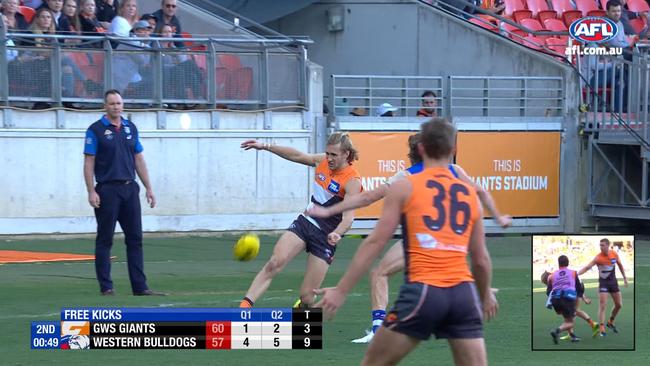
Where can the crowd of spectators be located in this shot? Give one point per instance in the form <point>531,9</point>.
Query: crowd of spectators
<point>580,250</point>
<point>30,66</point>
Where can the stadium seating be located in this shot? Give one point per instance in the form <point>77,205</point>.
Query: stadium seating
<point>566,10</point>
<point>589,8</point>
<point>533,42</point>
<point>187,44</point>
<point>533,25</point>
<point>638,24</point>
<point>517,10</point>
<point>555,25</point>
<point>513,30</point>
<point>541,10</point>
<point>27,12</point>
<point>484,24</point>
<point>638,6</point>
<point>556,44</point>
<point>234,81</point>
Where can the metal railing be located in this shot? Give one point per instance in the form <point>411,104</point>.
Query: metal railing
<point>362,95</point>
<point>507,96</point>
<point>487,96</point>
<point>616,92</point>
<point>211,71</point>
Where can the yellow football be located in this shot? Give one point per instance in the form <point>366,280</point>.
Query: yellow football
<point>247,247</point>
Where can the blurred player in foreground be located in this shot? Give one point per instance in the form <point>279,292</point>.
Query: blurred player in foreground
<point>607,261</point>
<point>393,260</point>
<point>334,181</point>
<point>441,221</point>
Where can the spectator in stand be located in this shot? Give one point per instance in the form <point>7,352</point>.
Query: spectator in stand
<point>34,4</point>
<point>180,72</point>
<point>132,71</point>
<point>15,20</point>
<point>70,11</point>
<point>43,23</point>
<point>386,110</point>
<point>626,15</point>
<point>90,25</point>
<point>429,105</point>
<point>61,23</point>
<point>12,54</point>
<point>127,16</point>
<point>153,22</point>
<point>106,10</point>
<point>33,68</point>
<point>359,112</point>
<point>614,11</point>
<point>167,15</point>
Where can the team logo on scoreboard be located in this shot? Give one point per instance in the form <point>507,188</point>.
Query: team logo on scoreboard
<point>75,342</point>
<point>75,335</point>
<point>75,328</point>
<point>593,29</point>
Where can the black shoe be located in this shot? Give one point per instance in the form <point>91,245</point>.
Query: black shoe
<point>149,293</point>
<point>575,339</point>
<point>109,292</point>
<point>611,326</point>
<point>554,335</point>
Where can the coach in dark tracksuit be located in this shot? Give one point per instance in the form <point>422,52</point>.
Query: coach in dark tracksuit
<point>113,154</point>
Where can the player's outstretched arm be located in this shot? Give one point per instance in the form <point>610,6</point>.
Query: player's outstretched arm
<point>482,268</point>
<point>587,267</point>
<point>284,152</point>
<point>486,199</point>
<point>362,199</point>
<point>334,297</point>
<point>352,189</point>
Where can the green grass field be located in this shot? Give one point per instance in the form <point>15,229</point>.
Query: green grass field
<point>544,320</point>
<point>199,272</point>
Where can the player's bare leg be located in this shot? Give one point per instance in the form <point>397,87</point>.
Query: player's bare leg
<point>568,323</point>
<point>314,276</point>
<point>583,315</point>
<point>468,352</point>
<point>602,304</point>
<point>287,247</point>
<point>618,304</point>
<point>391,263</point>
<point>388,348</point>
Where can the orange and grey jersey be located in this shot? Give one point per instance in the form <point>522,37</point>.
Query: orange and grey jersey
<point>607,266</point>
<point>437,222</point>
<point>329,189</point>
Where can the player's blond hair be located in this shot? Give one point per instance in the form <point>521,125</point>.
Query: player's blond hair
<point>345,142</point>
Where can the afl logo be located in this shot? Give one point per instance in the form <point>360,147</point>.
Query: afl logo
<point>593,29</point>
<point>321,177</point>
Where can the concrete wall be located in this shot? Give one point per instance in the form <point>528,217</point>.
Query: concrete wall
<point>407,38</point>
<point>202,179</point>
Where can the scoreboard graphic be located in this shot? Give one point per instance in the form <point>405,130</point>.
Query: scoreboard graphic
<point>181,328</point>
